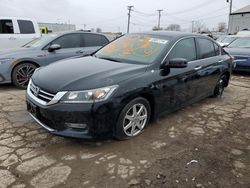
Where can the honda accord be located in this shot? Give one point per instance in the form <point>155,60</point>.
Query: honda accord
<point>127,83</point>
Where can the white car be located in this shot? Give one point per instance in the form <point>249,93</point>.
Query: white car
<point>245,33</point>
<point>16,32</point>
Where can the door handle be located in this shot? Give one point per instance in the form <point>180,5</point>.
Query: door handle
<point>198,68</point>
<point>11,38</point>
<point>220,61</point>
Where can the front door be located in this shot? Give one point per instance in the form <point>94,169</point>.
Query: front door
<point>176,84</point>
<point>71,45</point>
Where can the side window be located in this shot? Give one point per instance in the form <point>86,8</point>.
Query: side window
<point>94,40</point>
<point>104,40</point>
<point>206,48</point>
<point>217,49</point>
<point>184,49</point>
<point>26,26</point>
<point>69,41</point>
<point>6,27</point>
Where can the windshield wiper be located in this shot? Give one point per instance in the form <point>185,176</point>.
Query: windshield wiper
<point>108,58</point>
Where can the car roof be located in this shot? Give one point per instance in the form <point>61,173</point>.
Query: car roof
<point>73,32</point>
<point>13,17</point>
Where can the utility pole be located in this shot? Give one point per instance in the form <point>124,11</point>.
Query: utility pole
<point>193,26</point>
<point>230,11</point>
<point>129,11</point>
<point>159,18</point>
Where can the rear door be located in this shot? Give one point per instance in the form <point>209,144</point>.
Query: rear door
<point>71,45</point>
<point>7,34</point>
<point>27,32</point>
<point>208,69</point>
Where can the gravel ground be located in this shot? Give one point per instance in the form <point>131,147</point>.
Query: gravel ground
<point>203,145</point>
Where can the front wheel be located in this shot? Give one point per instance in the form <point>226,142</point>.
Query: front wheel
<point>133,119</point>
<point>220,86</point>
<point>22,73</point>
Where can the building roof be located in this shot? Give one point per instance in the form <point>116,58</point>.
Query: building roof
<point>243,10</point>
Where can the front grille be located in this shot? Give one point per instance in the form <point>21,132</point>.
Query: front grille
<point>41,94</point>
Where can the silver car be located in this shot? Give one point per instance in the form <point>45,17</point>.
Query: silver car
<point>17,66</point>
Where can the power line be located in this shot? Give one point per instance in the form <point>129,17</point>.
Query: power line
<point>101,21</point>
<point>143,13</point>
<point>194,7</point>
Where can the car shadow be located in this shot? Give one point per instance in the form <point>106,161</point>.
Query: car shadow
<point>8,87</point>
<point>245,74</point>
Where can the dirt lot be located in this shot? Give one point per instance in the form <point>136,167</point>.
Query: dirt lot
<point>204,145</point>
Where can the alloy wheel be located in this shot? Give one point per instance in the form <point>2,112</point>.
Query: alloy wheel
<point>135,120</point>
<point>23,74</point>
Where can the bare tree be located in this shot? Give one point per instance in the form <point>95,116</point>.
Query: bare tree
<point>199,26</point>
<point>174,27</point>
<point>155,28</point>
<point>222,26</point>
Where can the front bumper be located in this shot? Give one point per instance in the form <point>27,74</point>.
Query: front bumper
<point>98,118</point>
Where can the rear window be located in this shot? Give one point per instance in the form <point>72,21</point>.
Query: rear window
<point>206,48</point>
<point>6,27</point>
<point>217,49</point>
<point>26,26</point>
<point>94,40</point>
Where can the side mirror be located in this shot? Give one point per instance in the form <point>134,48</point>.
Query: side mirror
<point>177,63</point>
<point>54,47</point>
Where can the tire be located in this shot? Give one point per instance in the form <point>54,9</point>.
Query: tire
<point>130,125</point>
<point>220,86</point>
<point>22,73</point>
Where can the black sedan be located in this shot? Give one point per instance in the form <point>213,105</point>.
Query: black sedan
<point>240,50</point>
<point>134,79</point>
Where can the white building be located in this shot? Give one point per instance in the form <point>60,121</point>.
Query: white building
<point>58,27</point>
<point>239,20</point>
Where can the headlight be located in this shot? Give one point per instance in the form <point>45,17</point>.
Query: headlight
<point>88,96</point>
<point>5,60</point>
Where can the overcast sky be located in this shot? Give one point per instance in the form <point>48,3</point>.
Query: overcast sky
<point>111,15</point>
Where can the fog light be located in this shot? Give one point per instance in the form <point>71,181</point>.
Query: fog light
<point>77,125</point>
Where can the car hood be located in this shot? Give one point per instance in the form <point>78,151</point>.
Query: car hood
<point>84,73</point>
<point>238,51</point>
<point>21,52</point>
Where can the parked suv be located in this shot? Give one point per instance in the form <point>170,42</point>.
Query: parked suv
<point>18,66</point>
<point>16,32</point>
<point>116,91</point>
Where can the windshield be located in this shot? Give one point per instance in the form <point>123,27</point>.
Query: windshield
<point>240,43</point>
<point>40,42</point>
<point>228,40</point>
<point>134,48</point>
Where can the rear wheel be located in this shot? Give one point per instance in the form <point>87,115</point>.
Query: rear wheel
<point>22,73</point>
<point>220,86</point>
<point>133,119</point>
